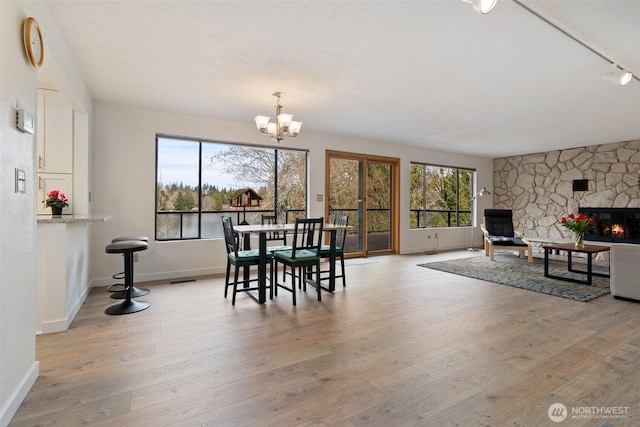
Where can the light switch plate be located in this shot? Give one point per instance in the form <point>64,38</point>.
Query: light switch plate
<point>21,181</point>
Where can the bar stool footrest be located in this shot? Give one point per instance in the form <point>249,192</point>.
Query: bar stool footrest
<point>135,293</point>
<point>121,287</point>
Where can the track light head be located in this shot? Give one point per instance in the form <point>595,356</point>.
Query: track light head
<point>482,6</point>
<point>618,76</point>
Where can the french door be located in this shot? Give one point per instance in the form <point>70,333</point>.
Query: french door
<point>365,188</point>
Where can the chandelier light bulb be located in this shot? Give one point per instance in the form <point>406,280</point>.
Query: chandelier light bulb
<point>262,122</point>
<point>294,128</point>
<point>285,119</point>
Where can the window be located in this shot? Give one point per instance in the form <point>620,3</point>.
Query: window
<point>440,196</point>
<point>199,181</point>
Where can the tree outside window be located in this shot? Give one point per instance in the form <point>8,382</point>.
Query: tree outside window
<point>440,196</point>
<point>195,179</point>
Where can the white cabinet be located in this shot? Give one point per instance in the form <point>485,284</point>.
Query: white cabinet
<point>54,134</point>
<point>54,131</point>
<point>54,181</point>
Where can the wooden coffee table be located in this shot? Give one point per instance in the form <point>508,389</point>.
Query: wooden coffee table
<point>570,248</point>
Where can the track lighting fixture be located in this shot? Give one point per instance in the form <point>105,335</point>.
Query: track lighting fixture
<point>618,76</point>
<point>482,6</point>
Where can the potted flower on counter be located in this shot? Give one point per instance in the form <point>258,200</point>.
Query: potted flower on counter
<point>56,201</point>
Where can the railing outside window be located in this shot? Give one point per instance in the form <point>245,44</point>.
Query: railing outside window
<point>183,225</point>
<point>449,217</point>
<point>440,196</point>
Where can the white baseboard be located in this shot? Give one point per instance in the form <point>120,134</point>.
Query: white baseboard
<point>19,394</point>
<point>60,325</point>
<point>164,275</point>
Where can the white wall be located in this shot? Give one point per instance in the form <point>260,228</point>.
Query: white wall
<point>18,368</point>
<point>124,185</point>
<point>18,83</point>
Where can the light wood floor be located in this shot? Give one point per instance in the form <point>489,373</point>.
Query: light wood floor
<point>400,346</point>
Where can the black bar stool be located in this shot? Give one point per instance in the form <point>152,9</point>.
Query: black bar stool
<point>135,292</point>
<point>127,248</point>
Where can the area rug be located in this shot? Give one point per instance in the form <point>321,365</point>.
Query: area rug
<point>508,269</point>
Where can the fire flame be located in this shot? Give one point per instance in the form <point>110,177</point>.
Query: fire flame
<point>617,229</point>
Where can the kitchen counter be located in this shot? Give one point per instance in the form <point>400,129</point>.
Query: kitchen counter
<point>69,219</point>
<point>63,268</point>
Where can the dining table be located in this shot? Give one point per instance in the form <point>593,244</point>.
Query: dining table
<point>262,230</point>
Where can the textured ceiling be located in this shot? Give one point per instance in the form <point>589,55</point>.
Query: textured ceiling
<point>433,74</point>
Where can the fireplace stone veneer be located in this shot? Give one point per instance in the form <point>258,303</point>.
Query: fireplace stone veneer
<point>538,188</point>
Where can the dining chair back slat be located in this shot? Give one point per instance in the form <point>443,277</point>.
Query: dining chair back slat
<point>274,235</point>
<point>230,238</point>
<point>303,256</point>
<point>341,234</point>
<point>308,235</point>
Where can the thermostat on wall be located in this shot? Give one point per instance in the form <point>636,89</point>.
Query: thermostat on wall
<point>25,121</point>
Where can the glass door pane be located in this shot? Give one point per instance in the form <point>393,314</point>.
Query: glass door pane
<point>378,207</point>
<point>366,189</point>
<point>345,198</point>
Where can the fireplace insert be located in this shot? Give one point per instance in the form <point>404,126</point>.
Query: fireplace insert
<point>614,224</point>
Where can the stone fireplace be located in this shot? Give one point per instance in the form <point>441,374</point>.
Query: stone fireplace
<point>620,225</point>
<point>540,189</point>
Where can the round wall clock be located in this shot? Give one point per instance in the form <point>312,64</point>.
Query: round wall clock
<point>33,43</point>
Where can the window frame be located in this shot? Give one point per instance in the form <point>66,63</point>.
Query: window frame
<point>235,213</point>
<point>418,217</point>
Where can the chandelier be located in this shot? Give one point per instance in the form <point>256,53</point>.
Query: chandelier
<point>283,127</point>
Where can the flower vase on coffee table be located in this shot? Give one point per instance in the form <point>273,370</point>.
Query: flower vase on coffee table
<point>580,225</point>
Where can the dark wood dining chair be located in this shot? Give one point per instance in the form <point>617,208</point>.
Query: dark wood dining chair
<point>275,236</point>
<point>325,250</point>
<point>304,256</point>
<point>240,259</point>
